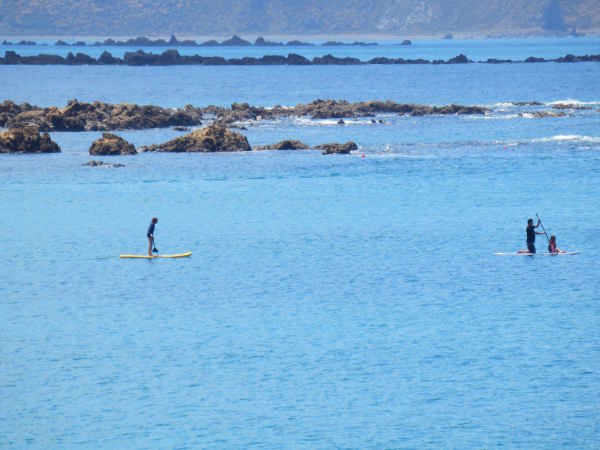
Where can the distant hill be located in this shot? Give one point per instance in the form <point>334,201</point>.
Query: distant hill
<point>298,17</point>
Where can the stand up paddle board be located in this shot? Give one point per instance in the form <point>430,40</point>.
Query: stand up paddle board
<point>176,255</point>
<point>535,254</point>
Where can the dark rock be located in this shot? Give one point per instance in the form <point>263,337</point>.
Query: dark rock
<point>337,149</point>
<point>498,61</point>
<point>299,44</point>
<point>448,36</point>
<point>27,140</point>
<point>211,139</point>
<point>235,41</point>
<point>97,116</point>
<point>330,59</point>
<point>406,42</point>
<point>533,59</point>
<point>284,145</point>
<point>341,122</point>
<point>297,60</point>
<point>180,128</point>
<point>571,106</point>
<point>261,42</point>
<point>94,163</point>
<point>460,59</point>
<point>172,57</point>
<point>111,144</point>
<point>211,43</point>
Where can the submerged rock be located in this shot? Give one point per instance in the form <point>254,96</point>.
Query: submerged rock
<point>94,163</point>
<point>284,145</point>
<point>27,140</point>
<point>571,106</point>
<point>215,138</point>
<point>543,114</point>
<point>337,149</point>
<point>111,144</point>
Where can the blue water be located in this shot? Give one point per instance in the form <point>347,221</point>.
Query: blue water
<point>331,301</point>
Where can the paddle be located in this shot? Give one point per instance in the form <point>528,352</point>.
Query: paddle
<point>540,220</point>
<point>154,249</point>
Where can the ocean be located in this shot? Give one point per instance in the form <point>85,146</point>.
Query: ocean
<point>340,301</point>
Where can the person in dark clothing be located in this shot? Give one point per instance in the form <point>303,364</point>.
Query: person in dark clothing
<point>150,235</point>
<point>531,236</point>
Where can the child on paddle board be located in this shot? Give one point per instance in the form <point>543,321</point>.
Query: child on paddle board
<point>552,248</point>
<point>150,235</point>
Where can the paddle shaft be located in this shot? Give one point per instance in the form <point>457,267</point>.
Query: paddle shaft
<point>540,220</point>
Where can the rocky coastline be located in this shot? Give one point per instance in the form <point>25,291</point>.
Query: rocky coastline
<point>174,58</point>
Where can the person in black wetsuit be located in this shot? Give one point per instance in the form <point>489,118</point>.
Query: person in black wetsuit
<point>531,235</point>
<point>150,235</point>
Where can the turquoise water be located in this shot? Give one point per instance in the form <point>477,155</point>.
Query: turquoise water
<point>339,301</point>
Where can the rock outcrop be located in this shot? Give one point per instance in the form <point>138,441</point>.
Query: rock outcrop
<point>27,140</point>
<point>337,149</point>
<point>284,145</point>
<point>97,116</point>
<point>211,139</point>
<point>111,144</point>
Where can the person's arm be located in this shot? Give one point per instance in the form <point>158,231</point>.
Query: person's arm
<point>539,232</point>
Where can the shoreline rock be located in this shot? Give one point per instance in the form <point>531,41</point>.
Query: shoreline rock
<point>110,145</point>
<point>214,138</point>
<point>27,140</point>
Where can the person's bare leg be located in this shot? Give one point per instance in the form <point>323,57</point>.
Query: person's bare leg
<point>149,246</point>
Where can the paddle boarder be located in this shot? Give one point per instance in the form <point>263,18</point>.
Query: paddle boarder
<point>150,235</point>
<point>531,235</point>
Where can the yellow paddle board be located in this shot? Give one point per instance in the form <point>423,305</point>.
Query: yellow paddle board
<point>177,255</point>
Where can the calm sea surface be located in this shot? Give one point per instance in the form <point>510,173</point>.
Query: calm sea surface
<point>331,301</point>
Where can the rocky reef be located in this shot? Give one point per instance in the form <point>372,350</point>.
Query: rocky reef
<point>172,58</point>
<point>27,140</point>
<point>96,116</point>
<point>111,144</point>
<point>214,138</point>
